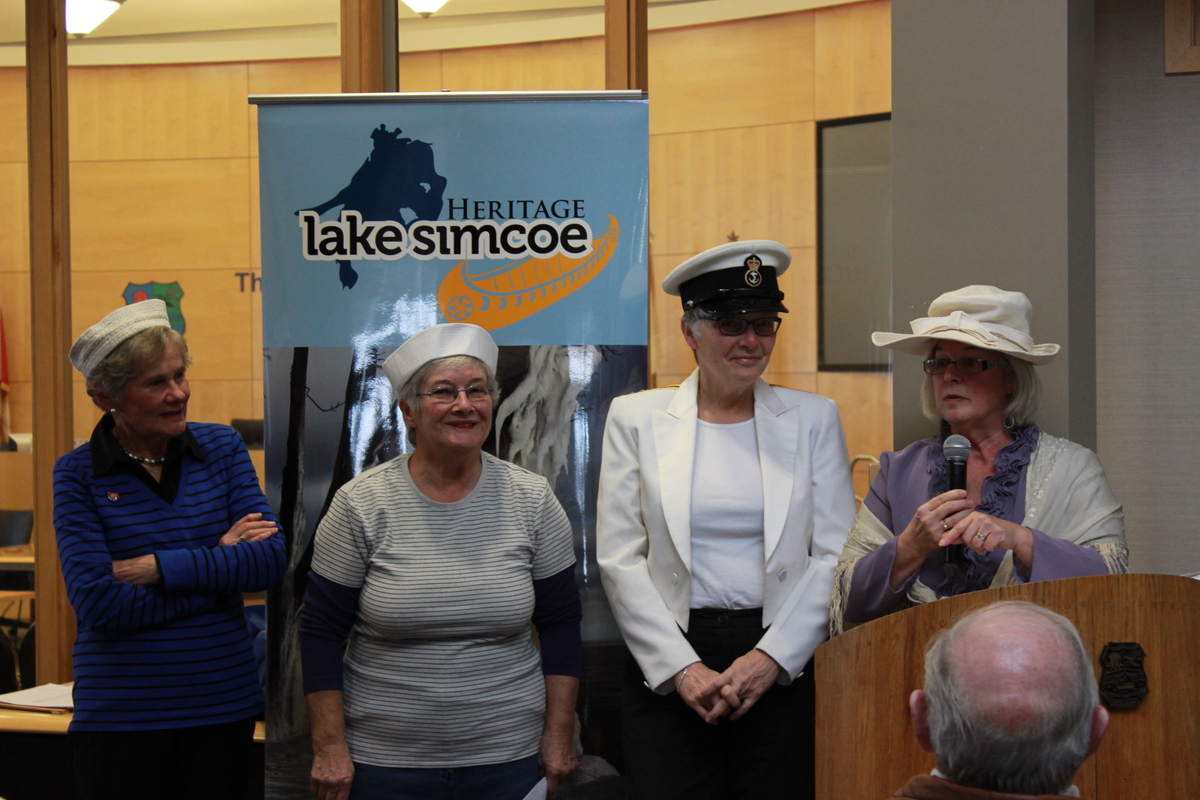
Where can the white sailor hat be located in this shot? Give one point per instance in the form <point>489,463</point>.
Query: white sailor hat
<point>732,278</point>
<point>94,344</point>
<point>439,341</point>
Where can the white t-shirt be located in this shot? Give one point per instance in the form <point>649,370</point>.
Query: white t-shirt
<point>441,669</point>
<point>727,517</point>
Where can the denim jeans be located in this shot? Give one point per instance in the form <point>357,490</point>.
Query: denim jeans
<point>508,781</point>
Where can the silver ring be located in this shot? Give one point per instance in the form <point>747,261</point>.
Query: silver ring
<point>242,537</point>
<point>945,527</point>
<point>981,536</point>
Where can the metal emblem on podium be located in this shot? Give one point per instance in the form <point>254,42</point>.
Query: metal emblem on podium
<point>1123,682</point>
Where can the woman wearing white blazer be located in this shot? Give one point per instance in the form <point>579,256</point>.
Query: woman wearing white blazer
<point>724,504</point>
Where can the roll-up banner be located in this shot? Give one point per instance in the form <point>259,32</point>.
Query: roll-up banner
<point>523,213</point>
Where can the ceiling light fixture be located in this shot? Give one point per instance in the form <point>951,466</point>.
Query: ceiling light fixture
<point>425,7</point>
<point>83,16</point>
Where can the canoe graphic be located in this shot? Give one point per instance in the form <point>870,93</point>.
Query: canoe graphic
<point>520,289</point>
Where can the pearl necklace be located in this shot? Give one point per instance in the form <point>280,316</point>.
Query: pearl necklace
<point>154,462</point>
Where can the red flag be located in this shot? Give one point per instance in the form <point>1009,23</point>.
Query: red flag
<point>5,414</point>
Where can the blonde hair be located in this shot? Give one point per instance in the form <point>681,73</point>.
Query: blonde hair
<point>130,358</point>
<point>1022,404</point>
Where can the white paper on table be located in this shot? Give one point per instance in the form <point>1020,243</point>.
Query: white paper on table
<point>538,792</point>
<point>47,696</point>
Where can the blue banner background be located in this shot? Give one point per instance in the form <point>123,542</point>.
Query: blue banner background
<point>594,150</point>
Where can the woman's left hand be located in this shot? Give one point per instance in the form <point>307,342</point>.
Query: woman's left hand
<point>984,533</point>
<point>140,571</point>
<point>747,679</point>
<point>557,756</point>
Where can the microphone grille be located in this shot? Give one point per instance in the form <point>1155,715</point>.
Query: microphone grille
<point>956,448</point>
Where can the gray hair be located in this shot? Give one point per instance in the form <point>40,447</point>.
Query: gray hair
<point>410,392</point>
<point>1040,755</point>
<point>128,359</point>
<point>693,316</point>
<point>1022,404</point>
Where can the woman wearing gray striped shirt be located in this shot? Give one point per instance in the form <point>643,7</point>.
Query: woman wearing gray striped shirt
<point>433,565</point>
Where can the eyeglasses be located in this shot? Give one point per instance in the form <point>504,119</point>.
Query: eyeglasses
<point>965,366</point>
<point>736,326</point>
<point>444,395</point>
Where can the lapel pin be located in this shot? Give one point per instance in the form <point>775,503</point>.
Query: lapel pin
<point>113,496</point>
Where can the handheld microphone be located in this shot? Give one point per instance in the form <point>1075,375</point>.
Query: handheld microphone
<point>957,449</point>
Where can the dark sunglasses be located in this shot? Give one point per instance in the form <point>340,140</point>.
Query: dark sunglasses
<point>736,326</point>
<point>965,366</point>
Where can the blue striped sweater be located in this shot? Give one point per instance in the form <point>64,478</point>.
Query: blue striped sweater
<point>177,654</point>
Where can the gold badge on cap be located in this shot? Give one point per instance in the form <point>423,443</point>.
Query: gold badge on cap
<point>753,265</point>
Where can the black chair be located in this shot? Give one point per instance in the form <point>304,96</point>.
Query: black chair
<point>16,527</point>
<point>27,658</point>
<point>251,431</point>
<point>8,666</point>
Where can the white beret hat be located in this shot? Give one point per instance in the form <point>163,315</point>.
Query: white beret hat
<point>439,341</point>
<point>102,338</point>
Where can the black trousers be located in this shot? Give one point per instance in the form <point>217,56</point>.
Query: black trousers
<point>208,761</point>
<point>670,752</point>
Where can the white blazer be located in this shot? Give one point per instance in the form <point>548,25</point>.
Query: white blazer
<point>643,533</point>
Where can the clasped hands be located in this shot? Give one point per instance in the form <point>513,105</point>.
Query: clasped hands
<point>143,570</point>
<point>713,694</point>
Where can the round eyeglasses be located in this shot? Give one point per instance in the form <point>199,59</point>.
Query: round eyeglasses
<point>965,366</point>
<point>444,395</point>
<point>736,326</point>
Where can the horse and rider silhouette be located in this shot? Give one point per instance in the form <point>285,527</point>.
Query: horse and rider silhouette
<point>398,174</point>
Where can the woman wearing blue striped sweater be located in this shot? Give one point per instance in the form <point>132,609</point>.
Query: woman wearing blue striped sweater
<point>161,527</point>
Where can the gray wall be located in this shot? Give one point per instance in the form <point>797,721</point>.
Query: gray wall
<point>1148,285</point>
<point>993,180</point>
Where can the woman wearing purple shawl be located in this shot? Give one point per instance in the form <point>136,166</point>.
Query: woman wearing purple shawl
<point>1036,507</point>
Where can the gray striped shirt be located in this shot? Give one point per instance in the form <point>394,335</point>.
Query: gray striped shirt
<point>441,670</point>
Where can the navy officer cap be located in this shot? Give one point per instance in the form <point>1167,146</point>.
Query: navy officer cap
<point>732,278</point>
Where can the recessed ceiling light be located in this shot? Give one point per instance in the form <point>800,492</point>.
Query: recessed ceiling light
<point>84,15</point>
<point>425,7</point>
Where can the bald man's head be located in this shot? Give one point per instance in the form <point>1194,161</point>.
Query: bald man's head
<point>1010,701</point>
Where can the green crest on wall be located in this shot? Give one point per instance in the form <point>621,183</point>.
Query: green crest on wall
<point>169,293</point>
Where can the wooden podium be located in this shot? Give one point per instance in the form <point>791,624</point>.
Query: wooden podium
<point>865,746</point>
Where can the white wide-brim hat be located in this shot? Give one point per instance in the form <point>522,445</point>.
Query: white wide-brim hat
<point>94,344</point>
<point>981,316</point>
<point>439,341</point>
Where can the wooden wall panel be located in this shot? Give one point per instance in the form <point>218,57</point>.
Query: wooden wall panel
<point>12,114</point>
<point>165,181</point>
<point>20,403</point>
<point>796,342</point>
<point>865,402</point>
<point>87,414</point>
<point>221,401</point>
<point>421,72</point>
<point>14,215</point>
<point>729,75</point>
<point>853,47</point>
<point>669,353</point>
<point>158,111</point>
<point>570,64</point>
<point>191,214</point>
<point>293,76</point>
<point>217,314</point>
<point>758,182</point>
<point>16,490</point>
<point>803,381</point>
